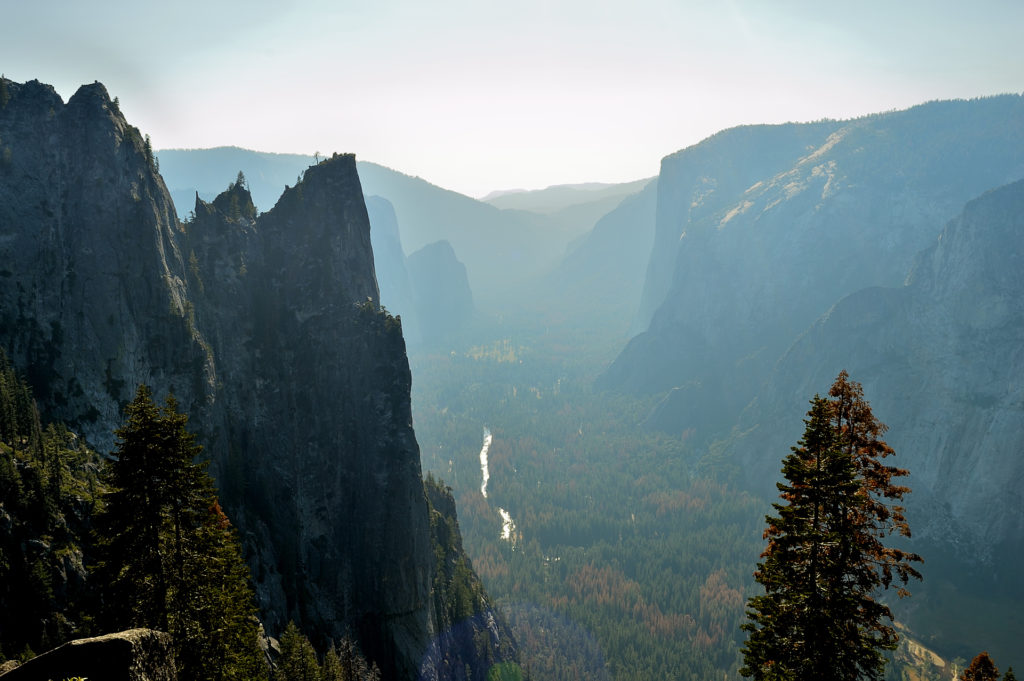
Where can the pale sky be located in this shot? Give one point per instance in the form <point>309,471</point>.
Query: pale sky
<point>477,95</point>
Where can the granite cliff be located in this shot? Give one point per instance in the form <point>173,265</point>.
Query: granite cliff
<point>321,465</point>
<point>444,303</point>
<point>92,285</point>
<point>939,358</point>
<point>698,182</point>
<point>941,361</point>
<point>267,329</point>
<point>428,289</point>
<point>759,230</point>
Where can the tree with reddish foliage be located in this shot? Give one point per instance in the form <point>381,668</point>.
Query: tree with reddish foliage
<point>981,669</point>
<point>826,560</point>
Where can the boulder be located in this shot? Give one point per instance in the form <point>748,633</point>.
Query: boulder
<point>133,655</point>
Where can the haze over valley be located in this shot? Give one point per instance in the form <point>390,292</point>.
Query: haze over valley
<point>501,367</point>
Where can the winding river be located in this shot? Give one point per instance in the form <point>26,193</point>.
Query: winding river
<point>483,461</point>
<point>508,526</point>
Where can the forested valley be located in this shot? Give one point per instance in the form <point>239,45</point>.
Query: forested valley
<point>618,541</point>
<point>556,456</point>
<point>631,552</point>
<point>629,472</point>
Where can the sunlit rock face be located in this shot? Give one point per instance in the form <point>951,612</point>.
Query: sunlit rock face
<point>760,230</point>
<point>942,362</point>
<point>267,329</point>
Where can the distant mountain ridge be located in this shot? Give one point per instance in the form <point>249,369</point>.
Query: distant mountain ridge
<point>562,196</point>
<point>427,288</point>
<point>503,249</point>
<point>569,186</point>
<point>601,277</point>
<point>761,229</point>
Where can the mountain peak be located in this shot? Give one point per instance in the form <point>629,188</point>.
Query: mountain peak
<point>235,202</point>
<point>95,91</point>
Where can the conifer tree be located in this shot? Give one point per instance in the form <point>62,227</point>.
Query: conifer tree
<point>825,560</point>
<point>169,558</point>
<point>343,661</point>
<point>298,658</point>
<point>133,568</point>
<point>331,669</point>
<point>44,507</point>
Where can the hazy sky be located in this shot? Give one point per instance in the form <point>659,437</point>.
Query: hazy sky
<point>476,95</point>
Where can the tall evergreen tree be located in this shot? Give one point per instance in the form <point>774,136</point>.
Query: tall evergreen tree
<point>169,558</point>
<point>331,669</point>
<point>825,560</point>
<point>133,568</point>
<point>298,658</point>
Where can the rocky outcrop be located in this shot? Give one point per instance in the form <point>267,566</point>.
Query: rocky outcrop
<point>207,172</point>
<point>133,655</point>
<point>776,229</point>
<point>268,331</point>
<point>444,303</point>
<point>323,473</point>
<point>469,633</point>
<point>502,249</point>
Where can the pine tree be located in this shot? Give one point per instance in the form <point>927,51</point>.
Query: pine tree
<point>218,617</point>
<point>1009,675</point>
<point>981,669</point>
<point>133,570</point>
<point>169,558</point>
<point>331,669</point>
<point>342,661</point>
<point>298,658</point>
<point>818,618</point>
